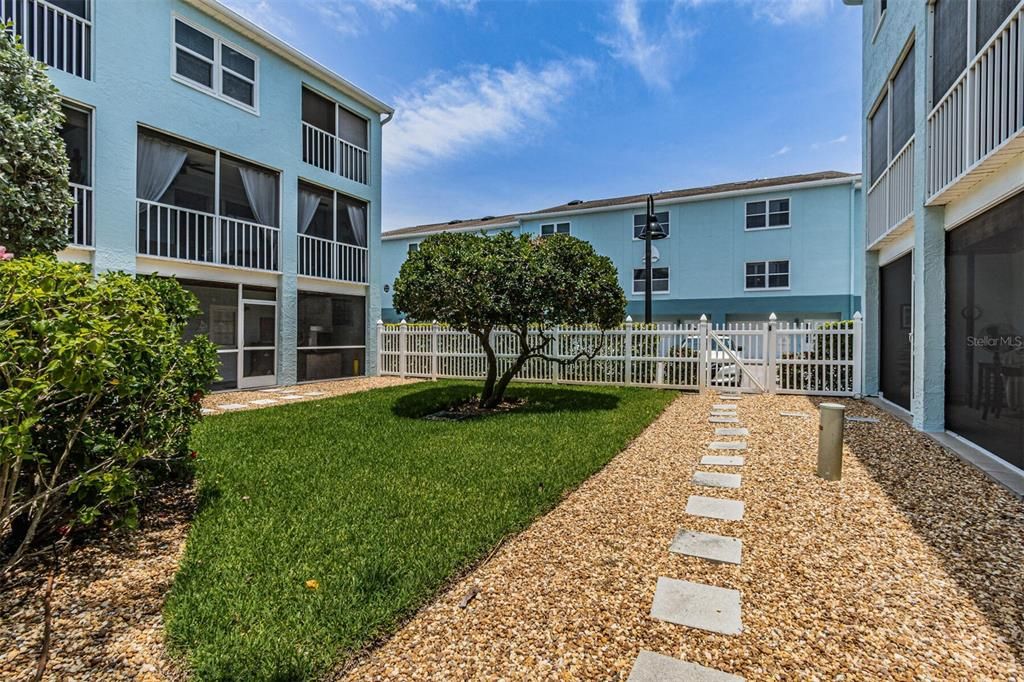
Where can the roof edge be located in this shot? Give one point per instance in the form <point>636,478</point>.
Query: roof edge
<point>847,179</point>
<point>231,18</point>
<point>390,236</point>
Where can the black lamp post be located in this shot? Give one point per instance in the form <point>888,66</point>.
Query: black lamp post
<point>652,231</point>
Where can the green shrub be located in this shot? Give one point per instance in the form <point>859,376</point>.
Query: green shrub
<point>98,394</point>
<point>35,201</point>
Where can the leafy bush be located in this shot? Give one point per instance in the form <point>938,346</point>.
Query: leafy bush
<point>35,201</point>
<point>98,393</point>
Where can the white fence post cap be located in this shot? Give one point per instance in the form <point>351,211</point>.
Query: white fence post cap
<point>857,315</point>
<point>380,321</point>
<point>629,318</point>
<point>772,317</point>
<point>703,317</point>
<point>403,321</point>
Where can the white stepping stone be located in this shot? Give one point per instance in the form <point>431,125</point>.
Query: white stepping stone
<point>723,420</point>
<point>705,607</point>
<point>730,396</point>
<point>794,414</point>
<point>728,445</point>
<point>292,396</point>
<point>263,401</point>
<point>652,667</point>
<point>713,480</point>
<point>722,413</point>
<point>207,411</point>
<point>313,393</point>
<point>729,431</point>
<point>715,508</point>
<point>722,460</point>
<point>862,420</point>
<point>718,548</point>
<point>233,406</point>
<point>724,406</point>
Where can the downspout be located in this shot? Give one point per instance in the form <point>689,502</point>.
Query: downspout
<point>387,118</point>
<point>853,244</point>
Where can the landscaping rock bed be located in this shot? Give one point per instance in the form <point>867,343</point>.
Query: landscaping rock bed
<point>911,567</point>
<point>314,391</point>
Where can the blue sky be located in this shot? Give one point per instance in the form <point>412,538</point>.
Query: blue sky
<point>514,106</point>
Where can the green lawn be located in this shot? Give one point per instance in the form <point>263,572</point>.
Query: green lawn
<point>377,505</point>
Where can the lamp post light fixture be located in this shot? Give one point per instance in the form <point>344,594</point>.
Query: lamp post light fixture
<point>651,232</point>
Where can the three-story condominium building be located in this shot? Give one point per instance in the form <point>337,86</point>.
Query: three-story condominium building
<point>734,252</point>
<point>943,104</point>
<point>204,148</point>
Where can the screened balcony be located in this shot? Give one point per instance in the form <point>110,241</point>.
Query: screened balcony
<point>55,32</point>
<point>333,138</point>
<point>332,235</point>
<point>77,135</point>
<point>200,205</point>
<point>977,122</point>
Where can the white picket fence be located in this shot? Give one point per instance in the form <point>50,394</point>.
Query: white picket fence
<point>775,357</point>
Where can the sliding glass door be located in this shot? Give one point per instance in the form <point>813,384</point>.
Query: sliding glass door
<point>896,323</point>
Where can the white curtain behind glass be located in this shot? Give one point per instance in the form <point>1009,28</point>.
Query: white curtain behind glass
<point>158,165</point>
<point>308,203</point>
<point>261,191</point>
<point>357,218</point>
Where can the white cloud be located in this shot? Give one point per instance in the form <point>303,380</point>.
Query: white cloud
<point>836,140</point>
<point>789,11</point>
<point>784,149</point>
<point>351,17</point>
<point>450,115</point>
<point>265,14</point>
<point>653,52</point>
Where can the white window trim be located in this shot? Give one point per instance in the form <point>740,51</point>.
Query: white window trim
<point>218,69</point>
<point>767,215</point>
<point>879,18</point>
<point>667,224</point>
<point>767,287</point>
<point>554,227</point>
<point>668,279</point>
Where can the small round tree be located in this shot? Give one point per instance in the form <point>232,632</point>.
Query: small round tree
<point>527,285</point>
<point>35,202</point>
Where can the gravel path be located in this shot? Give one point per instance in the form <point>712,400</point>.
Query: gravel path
<point>213,402</point>
<point>911,568</point>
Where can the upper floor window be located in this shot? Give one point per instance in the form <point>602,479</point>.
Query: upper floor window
<point>767,213</point>
<point>767,274</point>
<point>659,280</point>
<point>891,123</point>
<point>414,247</point>
<point>880,7</point>
<point>331,215</point>
<point>334,138</point>
<point>77,135</point>
<point>640,221</point>
<point>205,61</point>
<point>549,229</point>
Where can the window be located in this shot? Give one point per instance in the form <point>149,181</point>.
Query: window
<point>332,231</point>
<point>659,280</point>
<point>771,274</point>
<point>332,336</point>
<point>414,247</point>
<point>77,136</point>
<point>767,213</point>
<point>891,124</point>
<point>640,221</point>
<point>554,228</point>
<point>951,39</point>
<point>207,62</point>
<point>330,117</point>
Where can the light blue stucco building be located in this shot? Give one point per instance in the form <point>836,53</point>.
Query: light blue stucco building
<point>204,148</point>
<point>943,108</point>
<point>736,252</point>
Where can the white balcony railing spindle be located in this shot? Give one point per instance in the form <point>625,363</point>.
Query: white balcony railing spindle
<point>328,259</point>
<point>184,234</point>
<point>333,154</point>
<point>80,230</point>
<point>982,111</point>
<point>51,35</point>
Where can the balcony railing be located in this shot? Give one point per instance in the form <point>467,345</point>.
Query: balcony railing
<point>80,231</point>
<point>183,234</point>
<point>332,260</point>
<point>52,35</point>
<point>331,153</point>
<point>891,197</point>
<point>982,112</point>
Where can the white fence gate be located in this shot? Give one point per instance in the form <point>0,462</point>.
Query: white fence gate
<point>775,357</point>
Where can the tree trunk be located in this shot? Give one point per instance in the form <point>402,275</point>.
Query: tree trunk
<point>492,367</point>
<point>499,391</point>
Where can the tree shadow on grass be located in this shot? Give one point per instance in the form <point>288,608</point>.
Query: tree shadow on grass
<point>539,400</point>
<point>974,525</point>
